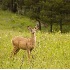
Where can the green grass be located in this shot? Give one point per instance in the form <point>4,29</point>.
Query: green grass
<point>52,50</point>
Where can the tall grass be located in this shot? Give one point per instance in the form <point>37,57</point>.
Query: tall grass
<point>51,51</point>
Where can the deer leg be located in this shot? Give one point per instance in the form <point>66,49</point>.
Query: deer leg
<point>31,50</point>
<point>28,51</point>
<point>14,52</point>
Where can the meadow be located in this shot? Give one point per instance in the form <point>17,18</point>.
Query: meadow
<point>52,50</point>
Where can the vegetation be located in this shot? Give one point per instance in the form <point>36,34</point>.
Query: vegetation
<point>44,11</point>
<point>52,50</point>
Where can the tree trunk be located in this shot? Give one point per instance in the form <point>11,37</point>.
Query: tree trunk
<point>39,25</point>
<point>51,27</point>
<point>61,25</point>
<point>13,6</point>
<point>51,20</point>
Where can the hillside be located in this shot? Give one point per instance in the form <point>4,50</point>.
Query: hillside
<point>9,20</point>
<point>52,49</point>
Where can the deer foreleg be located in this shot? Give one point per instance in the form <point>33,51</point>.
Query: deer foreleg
<point>28,51</point>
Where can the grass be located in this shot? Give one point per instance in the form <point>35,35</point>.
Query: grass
<point>52,50</point>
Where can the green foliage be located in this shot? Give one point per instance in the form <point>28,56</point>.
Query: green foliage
<point>14,21</point>
<point>46,11</point>
<point>51,51</point>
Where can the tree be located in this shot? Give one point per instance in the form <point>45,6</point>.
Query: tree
<point>34,9</point>
<point>63,11</point>
<point>47,11</point>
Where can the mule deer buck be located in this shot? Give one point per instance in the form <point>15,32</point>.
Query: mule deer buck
<point>25,43</point>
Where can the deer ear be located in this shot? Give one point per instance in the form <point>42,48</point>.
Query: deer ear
<point>36,27</point>
<point>29,28</point>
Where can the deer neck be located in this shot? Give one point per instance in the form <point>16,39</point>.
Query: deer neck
<point>33,38</point>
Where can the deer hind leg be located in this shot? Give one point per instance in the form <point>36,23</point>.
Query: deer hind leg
<point>15,51</point>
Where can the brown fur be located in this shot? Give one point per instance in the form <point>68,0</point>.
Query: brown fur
<point>24,43</point>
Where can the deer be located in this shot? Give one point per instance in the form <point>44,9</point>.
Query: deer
<point>24,43</point>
